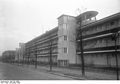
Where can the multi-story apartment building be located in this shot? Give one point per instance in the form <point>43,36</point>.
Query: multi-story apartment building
<point>61,43</point>
<point>42,46</point>
<point>97,38</point>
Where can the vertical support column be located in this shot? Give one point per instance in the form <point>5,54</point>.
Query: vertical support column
<point>117,68</point>
<point>114,37</point>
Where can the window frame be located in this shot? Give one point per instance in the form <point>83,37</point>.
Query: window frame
<point>65,50</point>
<point>65,38</point>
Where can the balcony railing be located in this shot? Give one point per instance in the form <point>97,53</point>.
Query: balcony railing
<point>117,28</point>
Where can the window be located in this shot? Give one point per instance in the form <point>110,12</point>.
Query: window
<point>65,50</point>
<point>64,26</point>
<point>68,17</point>
<point>112,23</point>
<point>107,25</point>
<point>65,37</point>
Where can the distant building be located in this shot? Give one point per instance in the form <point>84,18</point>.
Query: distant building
<point>63,41</point>
<point>16,54</point>
<point>8,56</point>
<point>20,52</point>
<point>0,58</point>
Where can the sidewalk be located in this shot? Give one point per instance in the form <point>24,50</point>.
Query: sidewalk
<point>76,73</point>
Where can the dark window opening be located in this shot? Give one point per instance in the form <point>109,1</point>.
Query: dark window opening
<point>65,37</point>
<point>65,50</point>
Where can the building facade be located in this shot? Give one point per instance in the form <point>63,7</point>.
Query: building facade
<point>20,52</point>
<point>63,42</point>
<point>66,40</point>
<point>42,46</point>
<point>98,43</point>
<point>8,56</point>
<point>59,42</point>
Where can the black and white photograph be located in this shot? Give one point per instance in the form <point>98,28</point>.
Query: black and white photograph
<point>60,40</point>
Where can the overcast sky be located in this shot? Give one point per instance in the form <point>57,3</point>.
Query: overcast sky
<point>23,20</point>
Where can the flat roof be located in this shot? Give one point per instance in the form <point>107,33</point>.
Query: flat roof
<point>65,15</point>
<point>44,34</point>
<point>103,20</point>
<point>87,15</point>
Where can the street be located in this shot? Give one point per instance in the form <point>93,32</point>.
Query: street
<point>14,72</point>
<point>29,72</point>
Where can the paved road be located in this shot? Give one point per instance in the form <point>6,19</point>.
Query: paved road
<point>14,72</point>
<point>76,73</point>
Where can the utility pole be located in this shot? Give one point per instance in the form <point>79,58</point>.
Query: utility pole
<point>81,47</point>
<point>115,36</point>
<point>50,55</point>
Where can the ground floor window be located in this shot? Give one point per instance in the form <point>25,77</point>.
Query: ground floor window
<point>63,62</point>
